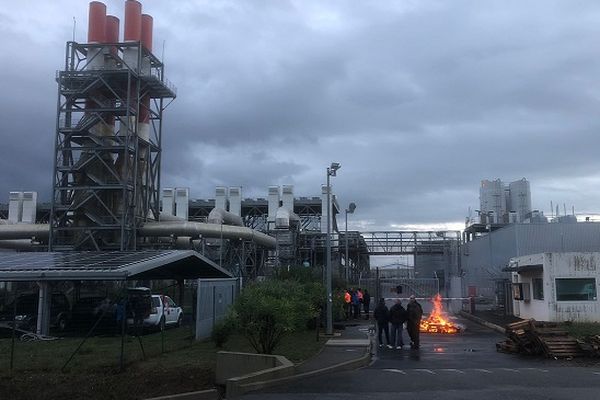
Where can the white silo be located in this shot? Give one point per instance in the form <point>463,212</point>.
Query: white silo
<point>492,198</point>
<point>520,198</point>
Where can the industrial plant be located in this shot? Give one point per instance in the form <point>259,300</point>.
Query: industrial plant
<point>108,199</point>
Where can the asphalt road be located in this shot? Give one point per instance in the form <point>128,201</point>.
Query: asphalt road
<point>449,367</point>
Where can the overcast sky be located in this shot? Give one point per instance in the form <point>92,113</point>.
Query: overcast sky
<point>418,100</point>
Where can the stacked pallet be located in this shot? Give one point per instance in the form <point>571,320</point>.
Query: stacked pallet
<point>533,337</point>
<point>591,345</point>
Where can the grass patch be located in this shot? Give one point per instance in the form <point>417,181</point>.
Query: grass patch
<point>186,365</point>
<point>581,329</point>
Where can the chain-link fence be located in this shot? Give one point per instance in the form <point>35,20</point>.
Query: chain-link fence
<point>101,326</point>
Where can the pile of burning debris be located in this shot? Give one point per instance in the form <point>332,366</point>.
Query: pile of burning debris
<point>533,337</point>
<point>437,322</point>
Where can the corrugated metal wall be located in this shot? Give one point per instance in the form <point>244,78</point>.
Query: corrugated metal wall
<point>483,259</point>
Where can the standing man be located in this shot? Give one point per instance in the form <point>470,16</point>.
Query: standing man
<point>398,316</point>
<point>415,312</point>
<point>382,316</point>
<point>347,303</point>
<point>355,304</point>
<point>366,303</point>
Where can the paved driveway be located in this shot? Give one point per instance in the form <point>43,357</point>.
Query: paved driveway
<point>464,366</point>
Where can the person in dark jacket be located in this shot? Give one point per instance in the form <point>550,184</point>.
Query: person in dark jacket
<point>415,312</point>
<point>366,303</point>
<point>398,317</point>
<point>355,304</point>
<point>382,316</point>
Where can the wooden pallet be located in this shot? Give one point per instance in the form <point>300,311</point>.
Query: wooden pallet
<point>540,338</point>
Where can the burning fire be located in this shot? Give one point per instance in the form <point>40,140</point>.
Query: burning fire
<point>437,322</point>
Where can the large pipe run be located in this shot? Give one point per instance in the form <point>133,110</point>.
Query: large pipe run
<point>220,216</point>
<point>17,244</point>
<point>159,229</point>
<point>193,229</point>
<point>24,231</point>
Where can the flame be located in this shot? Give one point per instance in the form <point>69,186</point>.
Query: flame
<point>437,322</point>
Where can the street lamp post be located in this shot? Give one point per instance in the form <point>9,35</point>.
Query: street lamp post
<point>349,210</point>
<point>331,171</point>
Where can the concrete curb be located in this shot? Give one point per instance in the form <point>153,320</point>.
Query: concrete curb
<point>362,361</point>
<point>483,322</point>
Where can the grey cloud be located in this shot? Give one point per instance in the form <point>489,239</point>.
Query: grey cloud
<point>419,100</point>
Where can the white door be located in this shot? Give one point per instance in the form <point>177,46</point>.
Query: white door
<point>171,311</point>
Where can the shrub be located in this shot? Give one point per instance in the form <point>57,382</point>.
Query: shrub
<point>223,330</point>
<point>266,311</point>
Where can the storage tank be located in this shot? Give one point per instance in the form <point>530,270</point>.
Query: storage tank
<point>492,198</point>
<point>520,198</point>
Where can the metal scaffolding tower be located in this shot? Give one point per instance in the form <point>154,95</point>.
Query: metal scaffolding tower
<point>111,99</point>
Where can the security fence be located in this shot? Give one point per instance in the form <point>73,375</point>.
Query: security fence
<point>105,326</point>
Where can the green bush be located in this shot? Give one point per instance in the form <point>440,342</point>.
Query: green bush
<point>266,311</point>
<point>223,329</point>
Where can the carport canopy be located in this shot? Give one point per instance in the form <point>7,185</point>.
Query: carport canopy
<point>107,266</point>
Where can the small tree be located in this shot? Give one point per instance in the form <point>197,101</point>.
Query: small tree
<point>266,311</point>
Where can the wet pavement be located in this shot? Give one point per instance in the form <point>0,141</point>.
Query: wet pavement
<point>464,366</point>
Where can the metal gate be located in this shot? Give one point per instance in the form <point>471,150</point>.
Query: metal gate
<point>400,287</point>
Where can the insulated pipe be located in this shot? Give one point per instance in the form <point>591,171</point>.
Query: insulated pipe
<point>220,216</point>
<point>17,244</point>
<point>24,231</point>
<point>216,231</point>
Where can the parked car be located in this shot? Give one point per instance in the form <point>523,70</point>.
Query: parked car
<point>27,311</point>
<point>164,313</point>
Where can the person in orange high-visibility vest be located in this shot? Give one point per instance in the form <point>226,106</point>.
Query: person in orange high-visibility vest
<point>347,303</point>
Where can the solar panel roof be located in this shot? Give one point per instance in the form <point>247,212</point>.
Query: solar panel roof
<point>114,265</point>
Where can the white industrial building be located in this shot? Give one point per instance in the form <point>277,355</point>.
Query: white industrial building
<point>556,286</point>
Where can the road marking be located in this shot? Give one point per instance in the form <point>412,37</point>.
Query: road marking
<point>458,371</point>
<point>511,370</point>
<point>398,371</point>
<point>536,369</point>
<point>596,373</point>
<point>485,371</point>
<point>425,370</point>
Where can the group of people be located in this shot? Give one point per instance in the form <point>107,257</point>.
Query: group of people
<point>353,300</point>
<point>397,316</point>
